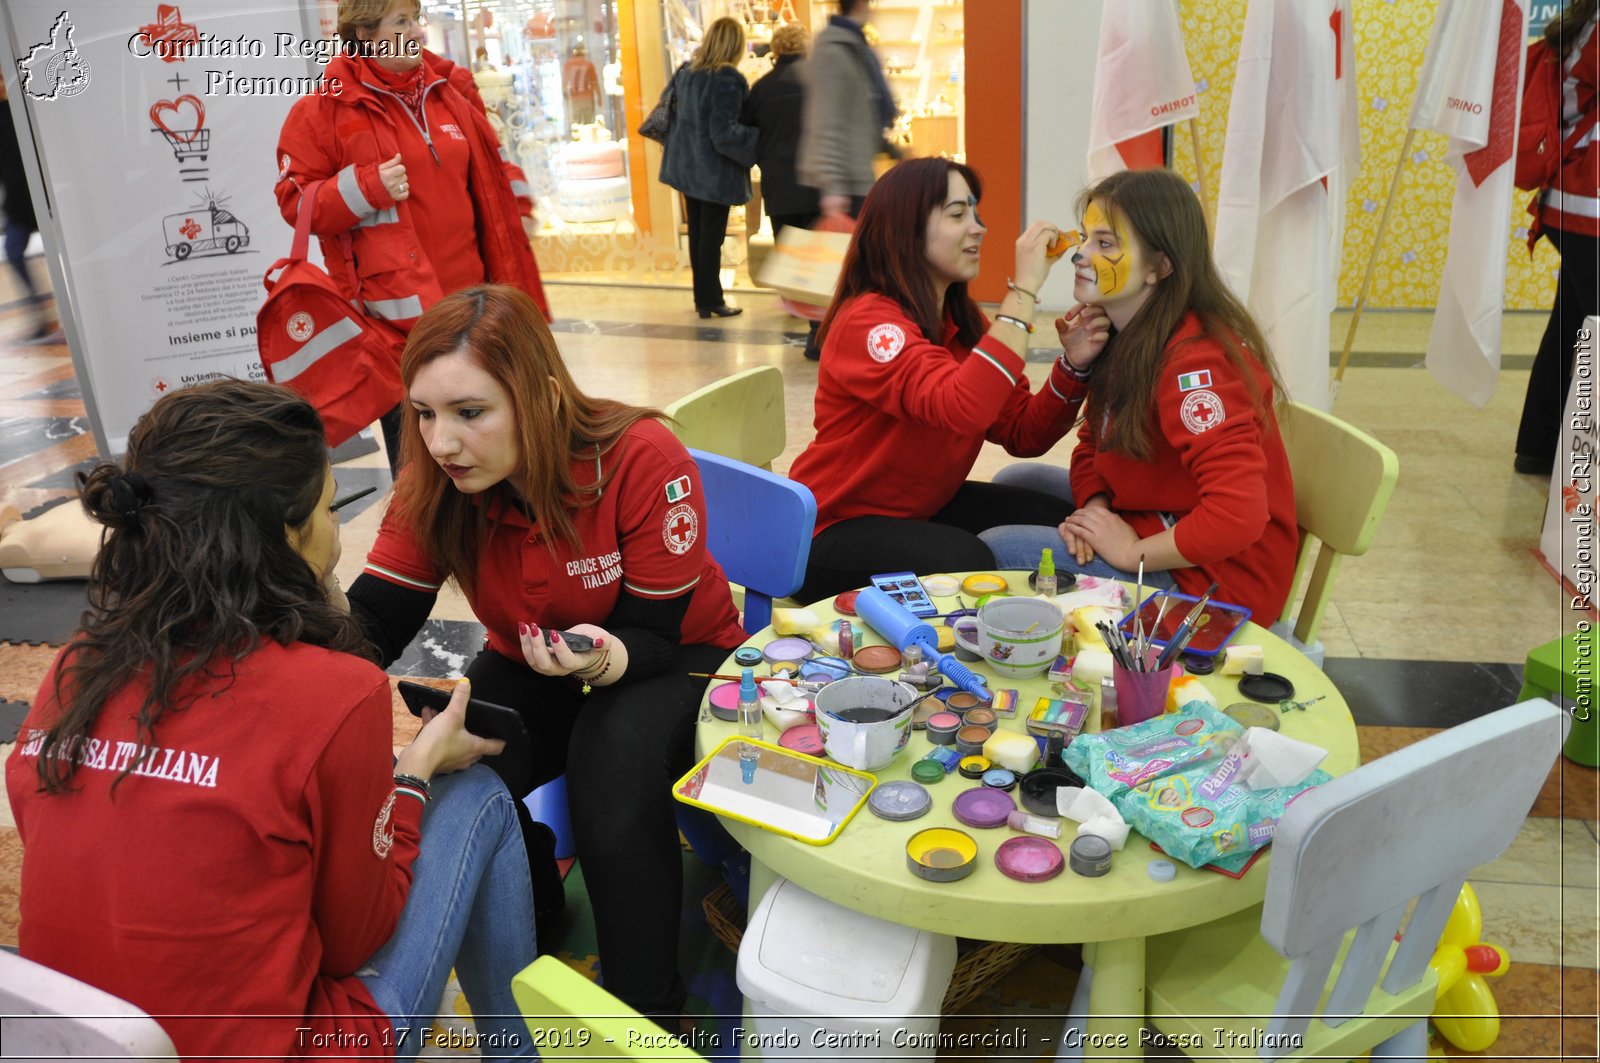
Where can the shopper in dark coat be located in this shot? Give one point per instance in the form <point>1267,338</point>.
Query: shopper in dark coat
<point>774,107</point>
<point>708,155</point>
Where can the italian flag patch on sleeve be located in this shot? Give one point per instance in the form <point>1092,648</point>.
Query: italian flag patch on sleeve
<point>678,489</point>
<point>1194,381</point>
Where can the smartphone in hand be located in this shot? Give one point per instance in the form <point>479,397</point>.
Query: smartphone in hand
<point>484,718</point>
<point>575,642</point>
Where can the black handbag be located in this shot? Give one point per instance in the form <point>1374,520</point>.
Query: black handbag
<point>658,123</point>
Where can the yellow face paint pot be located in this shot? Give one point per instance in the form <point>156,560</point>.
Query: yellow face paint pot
<point>941,854</point>
<point>984,583</point>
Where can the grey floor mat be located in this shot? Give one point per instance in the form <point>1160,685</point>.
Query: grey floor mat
<point>41,612</point>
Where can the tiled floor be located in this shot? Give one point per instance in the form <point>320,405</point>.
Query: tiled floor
<point>1428,629</point>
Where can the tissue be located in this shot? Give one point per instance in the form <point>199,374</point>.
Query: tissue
<point>785,706</point>
<point>1095,814</point>
<point>1268,759</point>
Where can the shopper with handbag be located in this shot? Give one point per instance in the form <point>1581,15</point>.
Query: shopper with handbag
<point>1567,213</point>
<point>708,155</point>
<point>418,200</point>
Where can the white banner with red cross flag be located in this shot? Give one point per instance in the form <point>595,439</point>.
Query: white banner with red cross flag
<point>1142,82</point>
<point>1470,89</point>
<point>1293,148</point>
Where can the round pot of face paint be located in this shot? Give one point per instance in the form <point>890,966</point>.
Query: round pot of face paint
<point>941,586</point>
<point>927,772</point>
<point>802,739</point>
<point>925,711</point>
<point>1268,687</point>
<point>899,801</point>
<point>962,702</point>
<point>1038,789</point>
<point>1090,855</point>
<point>984,583</point>
<point>973,767</point>
<point>845,604</point>
<point>725,702</point>
<point>1198,663</point>
<point>941,854</point>
<point>970,740</point>
<point>1029,859</point>
<point>825,669</point>
<point>965,633</point>
<point>786,649</point>
<point>1249,714</point>
<point>876,660</point>
<point>983,807</point>
<point>1002,779</point>
<point>982,716</point>
<point>942,728</point>
<point>747,657</point>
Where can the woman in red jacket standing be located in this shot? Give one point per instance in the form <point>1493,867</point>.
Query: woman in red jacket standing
<point>418,197</point>
<point>216,828</point>
<point>1179,459</point>
<point>1567,213</point>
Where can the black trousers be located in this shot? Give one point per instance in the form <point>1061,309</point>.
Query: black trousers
<point>708,225</point>
<point>848,554</point>
<point>621,748</point>
<point>1577,297</point>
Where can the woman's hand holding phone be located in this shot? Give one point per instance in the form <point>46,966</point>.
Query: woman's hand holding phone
<point>444,744</point>
<point>548,653</point>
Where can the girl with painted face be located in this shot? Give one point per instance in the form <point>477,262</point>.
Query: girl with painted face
<point>914,379</point>
<point>1179,459</point>
<point>560,514</point>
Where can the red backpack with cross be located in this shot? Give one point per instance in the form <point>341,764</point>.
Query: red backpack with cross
<point>318,343</point>
<point>1540,147</point>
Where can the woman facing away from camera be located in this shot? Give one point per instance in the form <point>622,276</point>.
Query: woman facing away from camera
<point>1179,462</point>
<point>215,827</point>
<point>915,379</point>
<point>562,517</point>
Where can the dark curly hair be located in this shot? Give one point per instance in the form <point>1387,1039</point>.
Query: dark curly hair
<point>195,568</point>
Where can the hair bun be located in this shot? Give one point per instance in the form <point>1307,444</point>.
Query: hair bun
<point>115,498</point>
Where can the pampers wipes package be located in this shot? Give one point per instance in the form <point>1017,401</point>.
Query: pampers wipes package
<point>1184,780</point>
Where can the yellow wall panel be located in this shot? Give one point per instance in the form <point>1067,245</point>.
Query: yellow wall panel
<point>1390,36</point>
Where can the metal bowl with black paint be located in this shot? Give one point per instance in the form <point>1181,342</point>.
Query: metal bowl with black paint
<point>1038,788</point>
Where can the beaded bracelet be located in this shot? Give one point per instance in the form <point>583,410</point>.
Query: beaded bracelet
<point>411,784</point>
<point>596,672</point>
<point>1014,286</point>
<point>1073,371</point>
<point>1025,326</point>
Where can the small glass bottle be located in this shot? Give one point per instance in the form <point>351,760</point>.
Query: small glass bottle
<point>1044,584</point>
<point>847,640</point>
<point>1108,704</point>
<point>1029,823</point>
<point>749,706</point>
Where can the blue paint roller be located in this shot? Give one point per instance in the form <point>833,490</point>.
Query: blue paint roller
<point>900,627</point>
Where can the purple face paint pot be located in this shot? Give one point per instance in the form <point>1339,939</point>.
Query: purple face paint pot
<point>802,739</point>
<point>725,702</point>
<point>1029,859</point>
<point>983,807</point>
<point>942,728</point>
<point>786,649</point>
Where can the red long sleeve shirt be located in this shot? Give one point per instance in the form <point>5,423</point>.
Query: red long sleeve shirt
<point>900,418</point>
<point>1219,476</point>
<point>253,863</point>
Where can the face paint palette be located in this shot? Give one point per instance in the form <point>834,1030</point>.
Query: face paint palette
<point>787,649</point>
<point>941,854</point>
<point>725,702</point>
<point>1029,859</point>
<point>983,807</point>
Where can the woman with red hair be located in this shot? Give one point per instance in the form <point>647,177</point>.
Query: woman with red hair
<point>914,379</point>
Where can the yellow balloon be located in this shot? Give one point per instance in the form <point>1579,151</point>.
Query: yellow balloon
<point>1449,963</point>
<point>1467,1016</point>
<point>1465,925</point>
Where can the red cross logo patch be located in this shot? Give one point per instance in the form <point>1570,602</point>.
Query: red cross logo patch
<point>383,829</point>
<point>885,341</point>
<point>1201,411</point>
<point>680,528</point>
<point>300,326</point>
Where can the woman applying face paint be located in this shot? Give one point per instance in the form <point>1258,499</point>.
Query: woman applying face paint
<point>1179,460</point>
<point>562,514</point>
<point>914,380</point>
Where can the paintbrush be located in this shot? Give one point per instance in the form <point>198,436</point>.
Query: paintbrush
<point>1138,615</point>
<point>736,678</point>
<point>1185,632</point>
<point>347,499</point>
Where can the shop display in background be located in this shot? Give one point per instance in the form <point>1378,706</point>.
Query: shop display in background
<point>923,48</point>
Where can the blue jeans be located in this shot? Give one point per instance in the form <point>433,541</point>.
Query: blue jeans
<point>470,906</point>
<point>1019,546</point>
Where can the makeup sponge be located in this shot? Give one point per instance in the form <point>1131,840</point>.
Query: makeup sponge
<point>794,621</point>
<point>1008,749</point>
<point>1243,660</point>
<point>1187,689</point>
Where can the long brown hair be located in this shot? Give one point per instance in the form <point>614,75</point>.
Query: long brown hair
<point>195,569</point>
<point>1562,32</point>
<point>722,45</point>
<point>888,255</point>
<point>1162,213</point>
<point>504,333</point>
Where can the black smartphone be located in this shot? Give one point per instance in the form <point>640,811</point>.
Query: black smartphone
<point>906,589</point>
<point>484,718</point>
<point>575,642</point>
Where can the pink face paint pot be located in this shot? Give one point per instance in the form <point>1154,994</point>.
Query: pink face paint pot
<point>802,739</point>
<point>970,740</point>
<point>725,702</point>
<point>983,807</point>
<point>1029,859</point>
<point>942,728</point>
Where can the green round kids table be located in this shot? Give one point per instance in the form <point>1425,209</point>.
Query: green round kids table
<point>865,867</point>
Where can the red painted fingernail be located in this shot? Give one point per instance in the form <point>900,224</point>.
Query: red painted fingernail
<point>555,636</point>
<point>598,643</point>
<point>533,631</point>
<point>523,629</point>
